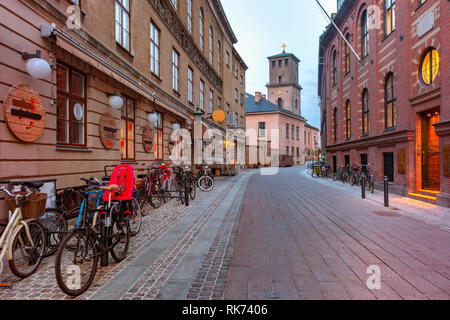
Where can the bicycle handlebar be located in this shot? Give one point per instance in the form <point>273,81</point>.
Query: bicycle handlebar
<point>11,194</point>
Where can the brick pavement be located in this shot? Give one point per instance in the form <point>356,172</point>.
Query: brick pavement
<point>305,240</point>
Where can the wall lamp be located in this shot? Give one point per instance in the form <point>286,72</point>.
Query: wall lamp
<point>115,101</point>
<point>36,66</point>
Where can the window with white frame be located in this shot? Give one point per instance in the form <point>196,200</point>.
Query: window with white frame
<point>190,85</point>
<point>154,49</point>
<point>189,16</point>
<point>211,103</point>
<point>123,23</point>
<point>202,95</point>
<point>201,28</point>
<point>175,61</point>
<point>210,45</point>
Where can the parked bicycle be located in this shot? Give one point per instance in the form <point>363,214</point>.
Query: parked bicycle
<point>108,232</point>
<point>205,179</point>
<point>23,240</point>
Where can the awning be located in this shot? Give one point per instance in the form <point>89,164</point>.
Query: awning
<point>78,51</point>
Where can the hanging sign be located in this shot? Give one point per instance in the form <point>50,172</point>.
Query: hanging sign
<point>24,113</point>
<point>108,130</point>
<point>147,139</point>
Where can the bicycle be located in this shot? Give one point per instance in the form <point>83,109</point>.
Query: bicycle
<point>205,180</point>
<point>81,248</point>
<point>23,240</point>
<point>149,191</point>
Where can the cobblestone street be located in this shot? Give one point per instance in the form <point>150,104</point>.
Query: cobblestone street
<point>286,237</point>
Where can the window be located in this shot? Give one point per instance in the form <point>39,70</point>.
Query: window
<point>296,104</point>
<point>219,103</point>
<point>365,112</point>
<point>364,34</point>
<point>262,129</point>
<point>201,28</point>
<point>227,59</point>
<point>242,99</point>
<point>348,120</point>
<point>202,95</point>
<point>298,152</point>
<point>390,113</point>
<point>280,79</point>
<point>292,133</point>
<point>211,103</point>
<point>175,58</point>
<point>236,94</point>
<point>280,102</point>
<point>242,80</point>
<point>287,151</point>
<point>280,63</point>
<point>334,67</point>
<point>286,62</point>
<point>127,129</point>
<point>189,16</point>
<point>236,72</point>
<point>389,17</point>
<point>292,151</point>
<point>347,54</point>
<point>123,23</point>
<point>335,125</point>
<point>287,130</point>
<point>274,64</point>
<point>228,112</point>
<point>210,45</point>
<point>219,57</point>
<point>158,138</point>
<point>154,49</point>
<point>190,85</point>
<point>71,128</point>
<point>298,133</point>
<point>175,4</point>
<point>429,66</point>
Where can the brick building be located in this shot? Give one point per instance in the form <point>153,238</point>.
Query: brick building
<point>165,58</point>
<point>276,118</point>
<point>392,108</point>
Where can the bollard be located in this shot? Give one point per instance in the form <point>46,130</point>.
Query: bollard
<point>363,185</point>
<point>104,233</point>
<point>386,192</point>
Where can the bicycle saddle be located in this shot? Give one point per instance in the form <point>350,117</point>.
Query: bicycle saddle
<point>33,185</point>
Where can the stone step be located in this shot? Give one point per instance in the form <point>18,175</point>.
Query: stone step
<point>424,198</point>
<point>429,193</point>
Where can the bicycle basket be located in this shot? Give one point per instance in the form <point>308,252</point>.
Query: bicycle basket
<point>33,206</point>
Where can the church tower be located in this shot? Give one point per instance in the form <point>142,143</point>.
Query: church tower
<point>283,89</point>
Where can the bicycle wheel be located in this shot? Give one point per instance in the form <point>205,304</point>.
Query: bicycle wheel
<point>120,239</point>
<point>55,225</point>
<point>156,196</point>
<point>206,183</point>
<point>135,220</point>
<point>72,213</point>
<point>27,256</point>
<point>76,262</point>
<point>143,198</point>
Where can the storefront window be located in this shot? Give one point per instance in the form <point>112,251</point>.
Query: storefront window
<point>158,138</point>
<point>127,129</point>
<point>71,107</point>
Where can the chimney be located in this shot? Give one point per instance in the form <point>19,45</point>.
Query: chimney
<point>257,97</point>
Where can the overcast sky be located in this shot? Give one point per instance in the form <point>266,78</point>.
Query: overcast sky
<point>262,26</point>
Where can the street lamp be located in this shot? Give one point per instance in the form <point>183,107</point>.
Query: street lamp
<point>36,66</point>
<point>115,101</point>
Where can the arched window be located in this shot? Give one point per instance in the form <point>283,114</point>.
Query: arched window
<point>389,17</point>
<point>334,67</point>
<point>280,102</point>
<point>364,34</point>
<point>201,28</point>
<point>390,113</point>
<point>347,54</point>
<point>335,125</point>
<point>348,119</point>
<point>429,66</point>
<point>365,112</point>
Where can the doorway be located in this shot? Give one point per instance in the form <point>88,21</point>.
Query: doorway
<point>388,161</point>
<point>430,155</point>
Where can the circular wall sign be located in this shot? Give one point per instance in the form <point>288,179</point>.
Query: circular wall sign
<point>147,139</point>
<point>108,130</point>
<point>219,116</point>
<point>24,113</point>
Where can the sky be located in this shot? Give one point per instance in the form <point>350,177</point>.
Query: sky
<point>262,26</point>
